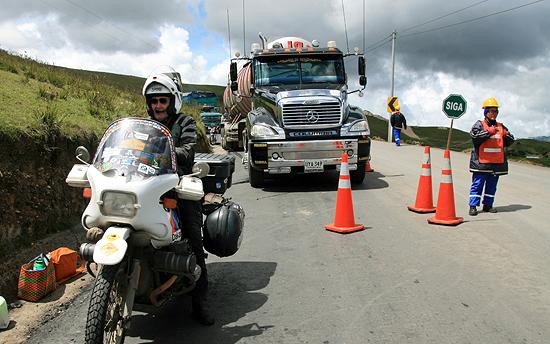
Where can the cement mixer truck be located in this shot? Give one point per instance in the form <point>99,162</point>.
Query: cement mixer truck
<point>287,102</point>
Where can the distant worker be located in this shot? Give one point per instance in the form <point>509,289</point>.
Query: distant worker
<point>398,123</point>
<point>488,160</point>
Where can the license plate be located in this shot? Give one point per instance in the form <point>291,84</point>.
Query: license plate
<point>311,166</point>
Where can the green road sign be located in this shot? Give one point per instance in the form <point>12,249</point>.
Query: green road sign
<point>454,106</point>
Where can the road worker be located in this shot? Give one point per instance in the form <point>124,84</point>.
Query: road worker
<point>488,159</point>
<point>398,123</point>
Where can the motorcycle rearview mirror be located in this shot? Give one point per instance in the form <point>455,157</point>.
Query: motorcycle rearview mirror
<point>82,154</point>
<point>201,169</point>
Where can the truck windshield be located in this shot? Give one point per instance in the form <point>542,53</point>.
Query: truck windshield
<point>277,70</point>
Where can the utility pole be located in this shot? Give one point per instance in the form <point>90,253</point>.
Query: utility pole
<point>393,38</point>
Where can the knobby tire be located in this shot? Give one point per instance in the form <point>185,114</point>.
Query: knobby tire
<point>100,300</point>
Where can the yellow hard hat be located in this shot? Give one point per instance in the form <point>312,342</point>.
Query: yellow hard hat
<point>397,108</point>
<point>490,102</point>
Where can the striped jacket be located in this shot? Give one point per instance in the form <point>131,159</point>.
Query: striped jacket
<point>479,135</point>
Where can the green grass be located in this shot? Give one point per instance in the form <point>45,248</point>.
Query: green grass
<point>40,100</point>
<point>539,151</point>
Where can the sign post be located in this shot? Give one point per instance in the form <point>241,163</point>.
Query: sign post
<point>454,106</point>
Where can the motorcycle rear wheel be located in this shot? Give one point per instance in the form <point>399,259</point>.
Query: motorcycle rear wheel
<point>105,320</point>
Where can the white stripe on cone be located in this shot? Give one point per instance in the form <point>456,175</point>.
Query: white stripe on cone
<point>344,169</point>
<point>344,183</point>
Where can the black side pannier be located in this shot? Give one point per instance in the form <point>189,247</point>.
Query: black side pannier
<point>223,229</point>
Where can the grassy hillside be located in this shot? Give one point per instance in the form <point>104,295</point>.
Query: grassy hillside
<point>527,150</point>
<point>134,84</point>
<point>40,100</point>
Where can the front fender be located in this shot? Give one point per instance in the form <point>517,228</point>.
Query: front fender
<point>110,250</point>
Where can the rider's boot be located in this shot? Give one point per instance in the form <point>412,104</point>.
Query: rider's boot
<point>201,310</point>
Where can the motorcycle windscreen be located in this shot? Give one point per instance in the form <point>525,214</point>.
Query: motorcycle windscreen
<point>136,149</point>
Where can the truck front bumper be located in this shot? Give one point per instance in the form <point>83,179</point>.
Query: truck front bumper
<point>277,157</point>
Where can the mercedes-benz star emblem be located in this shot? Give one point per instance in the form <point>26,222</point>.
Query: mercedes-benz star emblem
<point>312,116</point>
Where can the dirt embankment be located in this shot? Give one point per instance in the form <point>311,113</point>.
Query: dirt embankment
<point>35,201</point>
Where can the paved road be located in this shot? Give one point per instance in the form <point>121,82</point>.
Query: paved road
<point>399,281</point>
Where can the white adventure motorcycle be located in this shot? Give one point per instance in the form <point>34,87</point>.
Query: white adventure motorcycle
<point>143,258</point>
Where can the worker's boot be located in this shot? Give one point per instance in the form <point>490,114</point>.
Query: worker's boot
<point>201,310</point>
<point>489,209</point>
<point>473,211</point>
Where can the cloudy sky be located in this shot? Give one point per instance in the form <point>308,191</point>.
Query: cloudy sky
<point>475,48</point>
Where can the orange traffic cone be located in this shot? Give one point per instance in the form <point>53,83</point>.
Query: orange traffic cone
<point>344,221</point>
<point>368,168</point>
<point>445,210</point>
<point>424,200</point>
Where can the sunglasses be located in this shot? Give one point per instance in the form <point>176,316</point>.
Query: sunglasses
<point>162,101</point>
<point>492,111</point>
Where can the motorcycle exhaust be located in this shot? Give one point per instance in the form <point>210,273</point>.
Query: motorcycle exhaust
<point>174,263</point>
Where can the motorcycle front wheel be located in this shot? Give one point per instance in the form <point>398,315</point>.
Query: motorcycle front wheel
<point>105,320</point>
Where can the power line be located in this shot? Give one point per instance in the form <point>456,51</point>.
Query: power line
<point>113,25</point>
<point>106,33</point>
<point>471,20</point>
<point>443,16</point>
<point>345,25</point>
<point>228,33</point>
<point>375,43</point>
<point>374,47</point>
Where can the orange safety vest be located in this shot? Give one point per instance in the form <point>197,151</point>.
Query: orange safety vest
<point>492,150</point>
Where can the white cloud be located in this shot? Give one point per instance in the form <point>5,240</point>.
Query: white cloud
<point>118,37</point>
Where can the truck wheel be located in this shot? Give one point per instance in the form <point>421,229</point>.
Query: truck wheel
<point>255,177</point>
<point>233,146</point>
<point>358,175</point>
<point>224,141</point>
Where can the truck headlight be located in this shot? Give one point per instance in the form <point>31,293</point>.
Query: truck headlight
<point>259,130</point>
<point>360,127</point>
<point>118,204</point>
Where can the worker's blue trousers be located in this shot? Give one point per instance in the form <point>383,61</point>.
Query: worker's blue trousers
<point>397,135</point>
<point>479,180</point>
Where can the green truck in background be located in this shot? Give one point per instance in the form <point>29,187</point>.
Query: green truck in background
<point>212,120</point>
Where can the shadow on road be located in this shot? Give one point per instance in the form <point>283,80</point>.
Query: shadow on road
<point>233,294</point>
<point>319,182</point>
<point>512,207</point>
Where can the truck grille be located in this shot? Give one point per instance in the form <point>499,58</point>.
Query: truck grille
<point>324,114</point>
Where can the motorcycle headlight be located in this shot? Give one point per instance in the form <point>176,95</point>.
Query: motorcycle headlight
<point>118,204</point>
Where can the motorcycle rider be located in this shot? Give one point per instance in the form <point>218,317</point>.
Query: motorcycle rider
<point>162,93</point>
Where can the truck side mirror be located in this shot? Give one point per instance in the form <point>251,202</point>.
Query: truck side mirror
<point>362,80</point>
<point>233,72</point>
<point>361,65</point>
<point>234,86</point>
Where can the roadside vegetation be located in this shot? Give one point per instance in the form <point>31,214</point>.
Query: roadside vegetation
<point>526,150</point>
<point>44,101</point>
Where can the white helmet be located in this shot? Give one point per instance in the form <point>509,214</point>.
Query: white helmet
<point>161,84</point>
